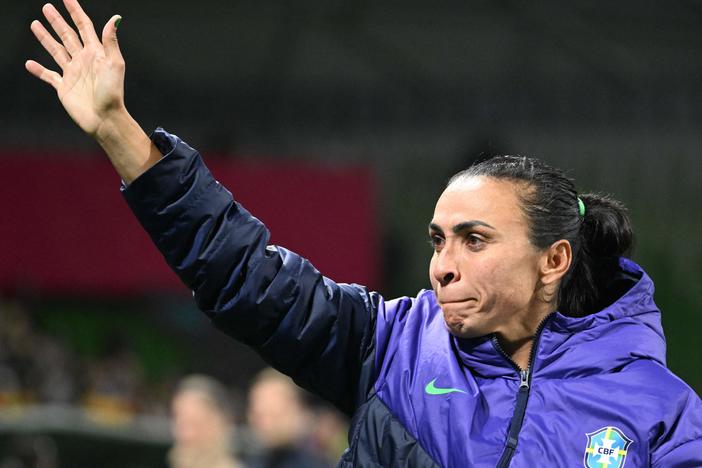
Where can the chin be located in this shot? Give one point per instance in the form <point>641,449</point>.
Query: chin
<point>460,332</point>
<point>460,329</point>
<point>462,324</point>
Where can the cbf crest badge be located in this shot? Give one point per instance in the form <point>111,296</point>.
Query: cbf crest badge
<point>606,448</point>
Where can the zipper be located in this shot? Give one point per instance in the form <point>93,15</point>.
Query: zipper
<point>515,424</point>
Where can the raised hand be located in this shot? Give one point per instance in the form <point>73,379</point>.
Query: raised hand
<point>91,85</point>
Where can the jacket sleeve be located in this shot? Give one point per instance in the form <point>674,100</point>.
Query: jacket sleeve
<point>681,443</point>
<point>305,325</point>
<point>686,455</point>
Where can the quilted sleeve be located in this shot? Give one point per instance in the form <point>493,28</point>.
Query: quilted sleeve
<point>681,444</point>
<point>317,331</point>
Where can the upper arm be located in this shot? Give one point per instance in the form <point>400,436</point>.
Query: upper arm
<point>686,454</point>
<point>317,331</point>
<point>680,442</point>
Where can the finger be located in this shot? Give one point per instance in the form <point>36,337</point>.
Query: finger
<point>44,74</point>
<point>109,38</point>
<point>82,21</point>
<point>68,36</point>
<point>57,51</point>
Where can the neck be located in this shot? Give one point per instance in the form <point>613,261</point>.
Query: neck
<point>517,343</point>
<point>518,350</point>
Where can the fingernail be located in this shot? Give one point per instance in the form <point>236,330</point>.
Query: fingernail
<point>119,20</point>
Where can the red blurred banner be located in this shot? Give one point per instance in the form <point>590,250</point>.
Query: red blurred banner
<point>65,228</point>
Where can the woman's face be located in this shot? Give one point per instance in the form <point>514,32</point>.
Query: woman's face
<point>484,270</point>
<point>196,422</point>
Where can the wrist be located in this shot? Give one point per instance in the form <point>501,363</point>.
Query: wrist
<point>130,150</point>
<point>115,122</point>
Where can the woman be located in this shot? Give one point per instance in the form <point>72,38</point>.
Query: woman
<point>201,425</point>
<point>280,421</point>
<point>539,343</point>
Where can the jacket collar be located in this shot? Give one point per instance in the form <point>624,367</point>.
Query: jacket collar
<point>626,330</point>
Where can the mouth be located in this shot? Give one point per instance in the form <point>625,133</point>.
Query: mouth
<point>442,303</point>
<point>456,311</point>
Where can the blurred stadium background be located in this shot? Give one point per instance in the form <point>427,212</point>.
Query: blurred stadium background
<point>338,123</point>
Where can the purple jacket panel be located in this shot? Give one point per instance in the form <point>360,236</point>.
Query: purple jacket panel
<point>593,378</point>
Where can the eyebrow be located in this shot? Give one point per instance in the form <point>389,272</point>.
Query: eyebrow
<point>460,227</point>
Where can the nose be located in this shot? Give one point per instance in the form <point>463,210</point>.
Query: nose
<point>445,269</point>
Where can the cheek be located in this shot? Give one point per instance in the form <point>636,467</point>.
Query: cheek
<point>501,283</point>
<point>517,282</point>
<point>483,276</point>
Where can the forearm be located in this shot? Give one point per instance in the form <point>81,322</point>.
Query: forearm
<point>130,150</point>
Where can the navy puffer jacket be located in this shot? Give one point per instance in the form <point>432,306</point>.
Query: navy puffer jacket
<point>597,393</point>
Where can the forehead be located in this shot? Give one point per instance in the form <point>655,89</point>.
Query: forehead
<point>191,400</point>
<point>273,389</point>
<point>492,201</point>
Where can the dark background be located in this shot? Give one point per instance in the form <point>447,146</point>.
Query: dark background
<point>415,91</point>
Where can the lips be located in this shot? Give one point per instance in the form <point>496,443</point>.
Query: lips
<point>456,301</point>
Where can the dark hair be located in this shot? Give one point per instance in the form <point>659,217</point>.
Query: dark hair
<point>550,203</point>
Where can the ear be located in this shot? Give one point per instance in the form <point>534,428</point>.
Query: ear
<point>555,263</point>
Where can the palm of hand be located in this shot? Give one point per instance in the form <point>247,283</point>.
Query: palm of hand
<point>90,88</point>
<point>92,84</point>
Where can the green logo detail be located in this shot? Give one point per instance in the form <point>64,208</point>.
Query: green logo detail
<point>432,390</point>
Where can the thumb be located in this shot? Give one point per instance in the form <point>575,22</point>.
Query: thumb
<point>109,37</point>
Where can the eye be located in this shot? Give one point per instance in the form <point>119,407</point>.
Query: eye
<point>436,242</point>
<point>475,242</point>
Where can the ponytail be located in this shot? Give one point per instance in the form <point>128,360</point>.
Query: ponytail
<point>605,234</point>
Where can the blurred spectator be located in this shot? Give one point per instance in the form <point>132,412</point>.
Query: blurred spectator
<point>34,367</point>
<point>114,383</point>
<point>30,452</point>
<point>10,388</point>
<point>279,420</point>
<point>52,376</point>
<point>329,433</point>
<point>202,425</point>
<point>114,380</point>
<point>17,352</point>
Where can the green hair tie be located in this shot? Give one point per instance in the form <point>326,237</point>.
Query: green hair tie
<point>581,208</point>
